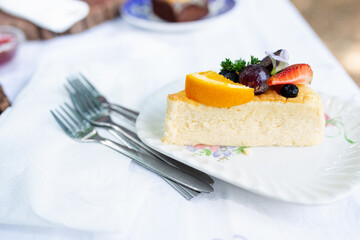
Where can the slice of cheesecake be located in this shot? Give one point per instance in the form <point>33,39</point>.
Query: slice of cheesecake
<point>269,119</point>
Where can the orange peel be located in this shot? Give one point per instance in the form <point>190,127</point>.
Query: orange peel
<point>213,89</point>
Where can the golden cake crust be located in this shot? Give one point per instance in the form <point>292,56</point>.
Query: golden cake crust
<point>306,95</point>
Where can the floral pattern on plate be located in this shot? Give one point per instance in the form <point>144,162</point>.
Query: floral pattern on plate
<point>339,125</point>
<point>219,152</point>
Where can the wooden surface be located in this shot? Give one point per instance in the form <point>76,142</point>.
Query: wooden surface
<point>337,22</point>
<point>4,101</point>
<point>100,11</point>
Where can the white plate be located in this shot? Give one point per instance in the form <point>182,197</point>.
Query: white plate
<point>140,14</point>
<point>304,175</point>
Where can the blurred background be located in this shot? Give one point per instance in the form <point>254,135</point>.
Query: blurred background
<point>337,22</point>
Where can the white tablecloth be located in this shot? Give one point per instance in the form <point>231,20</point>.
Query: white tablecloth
<point>231,213</point>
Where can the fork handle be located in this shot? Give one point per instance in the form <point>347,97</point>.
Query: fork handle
<point>135,113</point>
<point>134,138</point>
<point>130,114</point>
<point>158,167</point>
<point>125,112</point>
<point>187,193</point>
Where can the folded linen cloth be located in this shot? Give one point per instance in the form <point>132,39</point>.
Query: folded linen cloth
<point>54,15</point>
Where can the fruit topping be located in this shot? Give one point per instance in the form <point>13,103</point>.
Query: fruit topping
<point>232,75</point>
<point>255,76</point>
<point>294,74</point>
<point>213,89</point>
<point>277,61</point>
<point>289,90</point>
<point>267,62</point>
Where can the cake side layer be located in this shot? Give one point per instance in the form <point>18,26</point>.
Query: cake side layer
<point>269,120</point>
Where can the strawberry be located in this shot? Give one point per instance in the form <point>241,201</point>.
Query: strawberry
<point>294,74</point>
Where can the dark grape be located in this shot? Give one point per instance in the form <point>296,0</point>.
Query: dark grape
<point>255,76</point>
<point>232,75</point>
<point>266,61</point>
<point>289,90</point>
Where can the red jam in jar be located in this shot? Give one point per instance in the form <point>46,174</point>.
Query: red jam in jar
<point>10,38</point>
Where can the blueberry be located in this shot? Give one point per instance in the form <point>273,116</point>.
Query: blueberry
<point>289,90</point>
<point>232,75</point>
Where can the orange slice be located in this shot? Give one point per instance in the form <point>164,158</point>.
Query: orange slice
<point>213,89</point>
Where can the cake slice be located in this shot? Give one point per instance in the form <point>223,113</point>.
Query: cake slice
<point>269,119</point>
<point>180,10</point>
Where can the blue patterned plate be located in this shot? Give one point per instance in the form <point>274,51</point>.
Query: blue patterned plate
<point>140,14</point>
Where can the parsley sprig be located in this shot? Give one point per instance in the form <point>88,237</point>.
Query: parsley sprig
<point>238,65</point>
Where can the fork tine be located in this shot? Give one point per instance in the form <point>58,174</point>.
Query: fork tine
<point>87,94</point>
<point>74,86</point>
<point>82,105</point>
<point>82,98</point>
<point>95,95</point>
<point>77,101</point>
<point>78,104</point>
<point>62,125</point>
<point>79,87</point>
<point>77,123</point>
<point>90,101</point>
<point>92,104</point>
<point>66,121</point>
<point>71,93</point>
<point>83,121</point>
<point>89,84</point>
<point>68,89</point>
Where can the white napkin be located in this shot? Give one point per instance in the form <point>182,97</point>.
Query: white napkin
<point>54,15</point>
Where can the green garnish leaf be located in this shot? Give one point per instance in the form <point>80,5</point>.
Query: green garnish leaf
<point>238,65</point>
<point>227,64</point>
<point>254,60</point>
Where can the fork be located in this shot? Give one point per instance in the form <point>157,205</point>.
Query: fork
<point>75,126</point>
<point>86,101</point>
<point>121,135</point>
<point>186,192</point>
<point>92,91</point>
<point>99,116</point>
